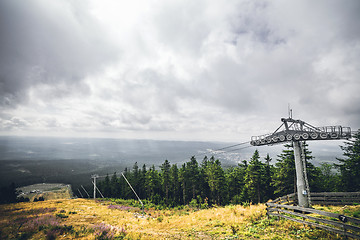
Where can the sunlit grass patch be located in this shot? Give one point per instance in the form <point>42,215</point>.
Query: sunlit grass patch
<point>89,219</point>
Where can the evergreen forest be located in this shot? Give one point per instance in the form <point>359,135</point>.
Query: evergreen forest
<point>205,182</point>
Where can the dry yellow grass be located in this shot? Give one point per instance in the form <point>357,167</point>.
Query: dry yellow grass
<point>230,222</point>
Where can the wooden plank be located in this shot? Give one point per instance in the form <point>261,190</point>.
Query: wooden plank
<point>331,203</point>
<point>335,194</point>
<point>311,210</point>
<point>285,201</point>
<point>284,197</point>
<point>326,221</point>
<point>317,225</point>
<point>336,198</point>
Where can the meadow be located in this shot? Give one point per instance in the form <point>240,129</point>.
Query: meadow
<point>117,219</point>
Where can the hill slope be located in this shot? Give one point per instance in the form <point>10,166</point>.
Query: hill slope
<point>47,191</point>
<point>89,219</point>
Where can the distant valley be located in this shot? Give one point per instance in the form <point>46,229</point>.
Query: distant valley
<point>30,160</point>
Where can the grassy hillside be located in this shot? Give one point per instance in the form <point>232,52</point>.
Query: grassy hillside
<point>89,219</point>
<point>47,191</point>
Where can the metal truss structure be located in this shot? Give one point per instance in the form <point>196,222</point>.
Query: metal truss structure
<point>297,130</point>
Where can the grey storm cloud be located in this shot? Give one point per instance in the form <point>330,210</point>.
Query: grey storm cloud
<point>178,66</point>
<point>54,43</point>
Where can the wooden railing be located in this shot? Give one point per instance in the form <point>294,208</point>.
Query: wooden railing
<point>289,199</point>
<point>335,198</point>
<point>334,222</point>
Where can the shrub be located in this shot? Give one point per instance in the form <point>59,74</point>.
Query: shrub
<point>356,214</point>
<point>160,218</point>
<point>193,203</point>
<point>39,199</point>
<point>120,207</point>
<point>22,199</point>
<point>105,232</point>
<point>55,231</point>
<point>60,215</point>
<point>41,222</point>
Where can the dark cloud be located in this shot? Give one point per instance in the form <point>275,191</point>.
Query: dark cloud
<point>49,43</point>
<point>186,67</point>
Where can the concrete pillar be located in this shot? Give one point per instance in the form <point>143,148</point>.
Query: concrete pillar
<point>300,181</point>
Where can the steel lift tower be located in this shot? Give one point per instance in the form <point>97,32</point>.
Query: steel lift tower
<point>297,132</point>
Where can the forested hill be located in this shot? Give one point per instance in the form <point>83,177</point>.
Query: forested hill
<point>207,182</point>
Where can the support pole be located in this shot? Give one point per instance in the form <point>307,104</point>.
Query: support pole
<point>80,193</point>
<point>98,190</point>
<point>85,191</point>
<point>302,193</point>
<point>94,187</point>
<point>303,159</point>
<point>142,205</point>
<point>94,182</point>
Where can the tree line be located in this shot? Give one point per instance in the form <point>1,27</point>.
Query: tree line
<point>254,180</point>
<point>208,183</point>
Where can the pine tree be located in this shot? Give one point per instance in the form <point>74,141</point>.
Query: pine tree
<point>220,182</point>
<point>126,190</point>
<point>235,182</point>
<point>215,178</point>
<point>350,165</point>
<point>142,184</point>
<point>254,182</point>
<point>183,177</point>
<point>285,177</point>
<point>165,179</point>
<point>329,179</point>
<point>152,182</point>
<point>313,172</point>
<point>175,184</point>
<point>114,186</point>
<point>285,173</point>
<point>135,178</point>
<point>106,187</point>
<point>192,168</point>
<point>203,184</point>
<point>269,189</point>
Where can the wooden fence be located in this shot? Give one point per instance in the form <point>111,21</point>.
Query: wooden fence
<point>284,207</point>
<point>335,198</point>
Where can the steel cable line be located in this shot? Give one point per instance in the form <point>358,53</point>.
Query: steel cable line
<point>231,146</point>
<point>237,149</point>
<point>216,151</point>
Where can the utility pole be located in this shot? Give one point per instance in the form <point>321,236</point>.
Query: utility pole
<point>94,182</point>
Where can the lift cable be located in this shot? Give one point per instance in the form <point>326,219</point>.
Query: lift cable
<point>216,151</point>
<point>232,146</point>
<point>238,149</point>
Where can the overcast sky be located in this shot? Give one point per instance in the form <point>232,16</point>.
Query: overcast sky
<point>184,70</point>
